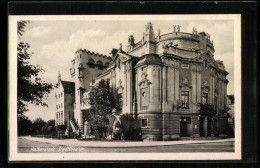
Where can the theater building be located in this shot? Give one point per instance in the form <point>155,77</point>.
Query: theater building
<point>170,82</point>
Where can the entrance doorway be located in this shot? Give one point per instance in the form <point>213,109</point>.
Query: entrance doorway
<point>209,127</point>
<point>202,132</point>
<point>183,127</point>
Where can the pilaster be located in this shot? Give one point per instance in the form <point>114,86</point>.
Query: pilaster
<point>177,79</point>
<point>199,84</point>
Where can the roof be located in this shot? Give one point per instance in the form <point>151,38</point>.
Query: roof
<point>149,59</point>
<point>69,87</point>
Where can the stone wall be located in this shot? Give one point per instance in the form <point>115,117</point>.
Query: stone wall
<point>153,132</point>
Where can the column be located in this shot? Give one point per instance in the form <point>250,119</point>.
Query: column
<point>164,85</point>
<point>177,81</point>
<point>170,84</point>
<point>199,84</point>
<point>194,84</point>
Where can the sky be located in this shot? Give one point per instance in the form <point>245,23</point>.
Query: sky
<point>54,42</point>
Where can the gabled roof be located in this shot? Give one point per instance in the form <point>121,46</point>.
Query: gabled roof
<point>69,87</point>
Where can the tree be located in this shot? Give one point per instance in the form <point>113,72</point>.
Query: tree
<point>102,102</point>
<point>50,123</point>
<point>38,125</point>
<point>31,88</point>
<point>24,126</point>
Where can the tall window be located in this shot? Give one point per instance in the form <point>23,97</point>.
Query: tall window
<point>120,101</point>
<point>215,102</point>
<point>206,64</point>
<point>80,72</point>
<point>204,98</point>
<point>185,99</point>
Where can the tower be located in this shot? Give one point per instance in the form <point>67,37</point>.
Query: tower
<point>86,66</point>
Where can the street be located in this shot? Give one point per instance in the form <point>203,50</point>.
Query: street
<point>30,146</point>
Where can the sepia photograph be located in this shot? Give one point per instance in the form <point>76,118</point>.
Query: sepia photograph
<point>125,87</point>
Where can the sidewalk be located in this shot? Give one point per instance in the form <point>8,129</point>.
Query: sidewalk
<point>101,144</point>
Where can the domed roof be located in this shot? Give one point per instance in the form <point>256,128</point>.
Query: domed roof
<point>149,59</point>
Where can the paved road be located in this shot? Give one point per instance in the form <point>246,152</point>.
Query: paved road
<point>29,146</point>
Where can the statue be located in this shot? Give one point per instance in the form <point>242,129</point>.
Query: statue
<point>178,28</point>
<point>131,42</point>
<point>194,30</point>
<point>149,26</point>
<point>120,47</point>
<point>174,28</point>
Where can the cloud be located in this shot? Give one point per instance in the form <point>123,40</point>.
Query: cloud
<point>38,32</point>
<point>222,34</point>
<point>56,56</point>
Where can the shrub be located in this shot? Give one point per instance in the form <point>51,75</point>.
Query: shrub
<point>129,128</point>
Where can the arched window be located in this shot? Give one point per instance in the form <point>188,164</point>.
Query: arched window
<point>100,64</point>
<point>91,61</point>
<point>107,64</point>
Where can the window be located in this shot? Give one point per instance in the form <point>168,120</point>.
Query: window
<point>61,115</point>
<point>206,64</point>
<point>185,99</point>
<point>120,100</point>
<point>57,116</point>
<point>144,122</point>
<point>91,61</point>
<point>80,72</point>
<point>61,94</point>
<point>106,64</point>
<point>61,105</point>
<point>215,103</point>
<point>100,64</point>
<point>204,98</point>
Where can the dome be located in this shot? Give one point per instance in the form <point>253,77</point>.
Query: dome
<point>149,59</point>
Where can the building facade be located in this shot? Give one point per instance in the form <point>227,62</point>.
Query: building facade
<point>65,98</point>
<point>171,83</point>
